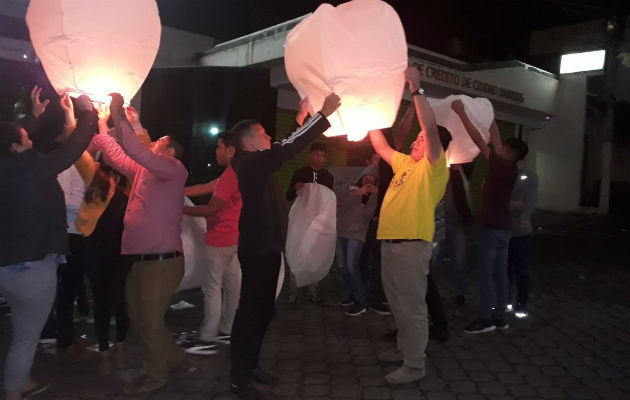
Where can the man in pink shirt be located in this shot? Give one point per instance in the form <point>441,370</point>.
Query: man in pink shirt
<point>152,237</point>
<point>223,273</point>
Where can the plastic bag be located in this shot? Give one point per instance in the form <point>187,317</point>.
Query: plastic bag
<point>480,112</point>
<point>194,243</point>
<point>95,47</point>
<point>358,50</point>
<point>312,234</point>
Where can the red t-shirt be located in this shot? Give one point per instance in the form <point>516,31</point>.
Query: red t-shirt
<point>222,228</point>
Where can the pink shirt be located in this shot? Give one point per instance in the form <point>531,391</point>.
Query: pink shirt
<point>154,211</point>
<point>223,226</point>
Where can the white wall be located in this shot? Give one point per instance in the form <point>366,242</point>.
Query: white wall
<point>556,150</point>
<point>180,48</point>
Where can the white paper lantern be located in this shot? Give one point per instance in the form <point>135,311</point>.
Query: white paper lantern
<point>480,112</point>
<point>359,51</point>
<point>95,47</point>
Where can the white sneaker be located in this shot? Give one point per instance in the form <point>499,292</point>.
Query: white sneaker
<point>404,375</point>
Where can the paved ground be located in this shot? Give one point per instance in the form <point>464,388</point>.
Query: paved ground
<point>575,345</point>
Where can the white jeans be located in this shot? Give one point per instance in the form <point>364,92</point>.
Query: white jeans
<point>221,289</point>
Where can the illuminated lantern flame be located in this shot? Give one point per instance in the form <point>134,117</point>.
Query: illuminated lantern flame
<point>95,47</point>
<point>480,112</point>
<point>359,51</point>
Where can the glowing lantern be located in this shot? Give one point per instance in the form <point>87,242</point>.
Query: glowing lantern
<point>95,47</point>
<point>479,110</point>
<point>359,51</point>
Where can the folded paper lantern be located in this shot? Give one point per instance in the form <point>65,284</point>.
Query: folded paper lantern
<point>359,51</point>
<point>312,233</point>
<point>479,110</point>
<point>95,47</point>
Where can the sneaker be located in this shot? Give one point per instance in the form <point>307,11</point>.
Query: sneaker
<point>381,309</point>
<point>460,300</point>
<point>500,323</point>
<point>390,336</point>
<point>355,309</point>
<point>346,302</point>
<point>390,356</point>
<point>246,392</point>
<point>509,308</point>
<point>261,376</point>
<point>404,375</point>
<point>480,326</point>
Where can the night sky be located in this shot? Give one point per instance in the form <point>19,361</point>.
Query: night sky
<point>475,31</point>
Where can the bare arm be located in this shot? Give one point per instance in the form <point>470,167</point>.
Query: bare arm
<point>208,210</point>
<point>474,134</point>
<point>425,116</point>
<point>201,189</point>
<point>495,138</point>
<point>401,130</point>
<point>381,147</point>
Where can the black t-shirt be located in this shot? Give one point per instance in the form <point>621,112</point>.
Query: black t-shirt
<point>497,191</point>
<point>307,174</point>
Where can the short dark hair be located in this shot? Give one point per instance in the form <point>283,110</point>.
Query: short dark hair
<point>518,146</point>
<point>318,146</point>
<point>176,145</point>
<point>240,130</point>
<point>445,137</point>
<point>9,134</point>
<point>229,139</point>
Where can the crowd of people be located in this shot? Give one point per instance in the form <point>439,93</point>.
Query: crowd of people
<point>105,203</point>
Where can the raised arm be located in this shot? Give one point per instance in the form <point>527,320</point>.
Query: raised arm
<point>31,121</point>
<point>474,134</point>
<point>115,156</point>
<point>160,165</point>
<point>381,147</point>
<point>495,138</point>
<point>201,189</point>
<point>402,129</point>
<point>62,158</point>
<point>425,115</point>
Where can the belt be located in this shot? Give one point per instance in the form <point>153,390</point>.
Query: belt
<point>402,240</point>
<point>154,257</point>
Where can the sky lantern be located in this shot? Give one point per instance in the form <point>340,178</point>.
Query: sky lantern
<point>358,50</point>
<point>95,47</point>
<point>480,112</point>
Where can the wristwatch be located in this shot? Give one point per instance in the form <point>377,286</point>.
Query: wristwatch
<point>419,92</point>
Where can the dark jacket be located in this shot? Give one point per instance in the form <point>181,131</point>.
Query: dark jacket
<point>263,223</point>
<point>32,208</point>
<point>307,174</point>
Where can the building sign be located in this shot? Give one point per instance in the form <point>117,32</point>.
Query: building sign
<point>456,79</point>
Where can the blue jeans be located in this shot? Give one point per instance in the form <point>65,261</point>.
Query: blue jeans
<point>29,289</point>
<point>493,279</point>
<point>348,260</point>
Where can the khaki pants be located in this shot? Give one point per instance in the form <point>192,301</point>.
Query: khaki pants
<point>405,267</point>
<point>221,289</point>
<point>150,286</point>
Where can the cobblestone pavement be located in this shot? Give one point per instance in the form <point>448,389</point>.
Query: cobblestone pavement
<point>574,345</point>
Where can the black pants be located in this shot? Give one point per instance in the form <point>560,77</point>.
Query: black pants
<point>256,309</point>
<point>107,271</point>
<point>434,305</point>
<point>375,294</point>
<point>70,276</point>
<point>518,267</point>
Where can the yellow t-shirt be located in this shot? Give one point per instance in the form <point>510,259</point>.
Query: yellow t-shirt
<point>408,209</point>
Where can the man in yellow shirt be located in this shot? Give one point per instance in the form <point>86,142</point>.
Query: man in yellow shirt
<point>406,227</point>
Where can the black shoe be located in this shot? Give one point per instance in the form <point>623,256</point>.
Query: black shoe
<point>247,392</point>
<point>500,323</point>
<point>480,326</point>
<point>460,300</point>
<point>441,334</point>
<point>382,309</point>
<point>346,302</point>
<point>390,336</point>
<point>355,309</point>
<point>261,376</point>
